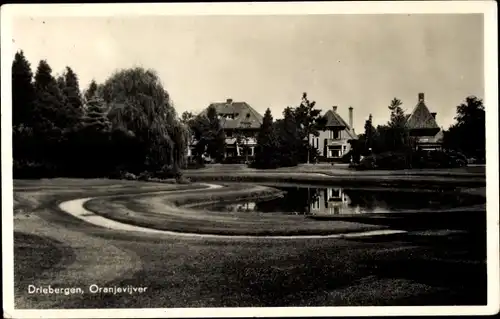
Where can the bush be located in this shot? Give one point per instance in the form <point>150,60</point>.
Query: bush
<point>183,180</point>
<point>440,159</point>
<point>144,176</point>
<point>33,170</point>
<point>420,159</point>
<point>129,176</point>
<point>169,171</point>
<point>392,160</point>
<point>366,163</point>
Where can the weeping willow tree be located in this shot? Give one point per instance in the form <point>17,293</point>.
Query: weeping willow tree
<point>142,109</point>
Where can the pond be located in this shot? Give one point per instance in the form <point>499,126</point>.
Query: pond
<point>300,200</point>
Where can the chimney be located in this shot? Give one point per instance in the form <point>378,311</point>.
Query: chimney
<point>350,116</point>
<point>334,108</point>
<point>434,115</point>
<point>420,97</point>
<point>229,101</point>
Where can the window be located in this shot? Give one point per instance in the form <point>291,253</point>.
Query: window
<point>333,153</point>
<point>315,204</point>
<point>334,193</point>
<point>334,135</point>
<point>229,134</point>
<point>313,141</point>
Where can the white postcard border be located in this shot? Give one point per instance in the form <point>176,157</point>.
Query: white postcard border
<point>488,8</point>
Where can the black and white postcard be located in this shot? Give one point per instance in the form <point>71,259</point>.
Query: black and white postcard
<point>250,159</point>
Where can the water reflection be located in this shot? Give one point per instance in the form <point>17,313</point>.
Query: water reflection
<point>332,201</point>
<point>337,201</point>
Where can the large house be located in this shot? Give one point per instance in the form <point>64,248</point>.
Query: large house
<point>241,124</point>
<point>423,126</point>
<point>333,142</point>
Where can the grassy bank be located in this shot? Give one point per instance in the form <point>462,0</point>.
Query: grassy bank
<point>343,169</point>
<point>417,268</point>
<point>406,181</point>
<point>168,212</point>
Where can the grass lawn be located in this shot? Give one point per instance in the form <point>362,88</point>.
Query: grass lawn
<point>343,169</point>
<point>54,248</point>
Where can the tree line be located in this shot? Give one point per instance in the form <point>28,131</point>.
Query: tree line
<point>285,142</point>
<point>126,124</point>
<point>466,136</point>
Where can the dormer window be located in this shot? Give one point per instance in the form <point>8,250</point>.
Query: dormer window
<point>228,116</point>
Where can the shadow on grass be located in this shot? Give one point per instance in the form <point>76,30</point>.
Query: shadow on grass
<point>411,270</point>
<point>471,221</point>
<point>34,256</point>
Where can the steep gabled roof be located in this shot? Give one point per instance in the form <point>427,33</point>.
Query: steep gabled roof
<point>245,116</point>
<point>421,118</point>
<point>333,119</point>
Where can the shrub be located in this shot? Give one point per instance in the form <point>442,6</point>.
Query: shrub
<point>169,171</point>
<point>438,159</point>
<point>366,163</point>
<point>129,176</point>
<point>183,180</point>
<point>392,160</point>
<point>144,176</point>
<point>30,170</point>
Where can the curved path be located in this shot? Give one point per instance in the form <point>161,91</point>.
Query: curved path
<point>220,271</point>
<point>168,213</point>
<point>76,208</point>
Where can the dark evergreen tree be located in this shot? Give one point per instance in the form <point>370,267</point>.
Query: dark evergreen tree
<point>72,93</point>
<point>96,154</point>
<point>216,140</point>
<point>91,91</point>
<point>309,121</point>
<point>95,117</point>
<point>49,103</point>
<point>23,92</point>
<point>61,84</point>
<point>267,153</point>
<point>290,142</point>
<point>369,135</point>
<point>398,131</point>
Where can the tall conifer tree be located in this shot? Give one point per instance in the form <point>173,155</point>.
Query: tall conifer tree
<point>23,92</point>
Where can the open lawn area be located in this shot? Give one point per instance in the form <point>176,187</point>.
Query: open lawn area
<point>438,267</point>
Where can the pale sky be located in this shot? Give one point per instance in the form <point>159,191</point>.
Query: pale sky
<point>361,61</point>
